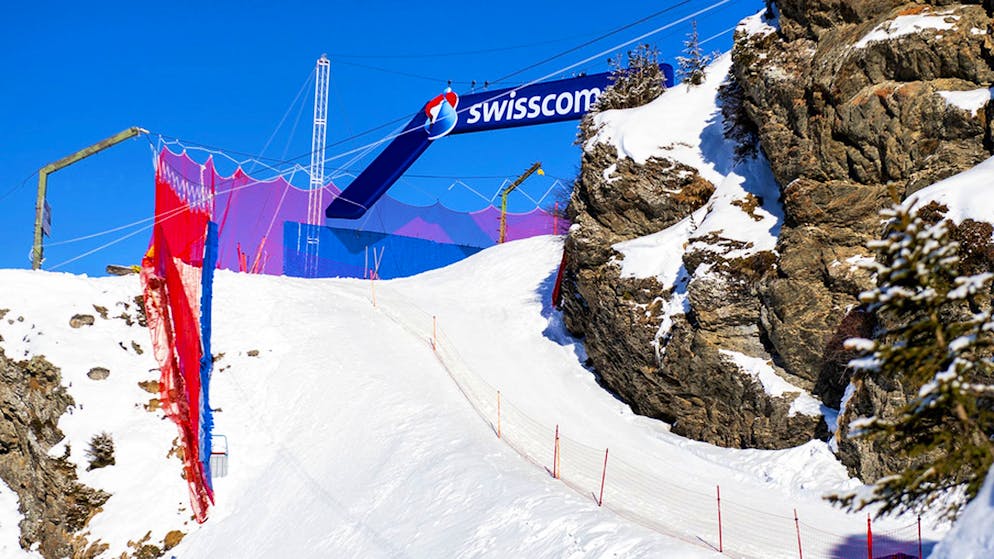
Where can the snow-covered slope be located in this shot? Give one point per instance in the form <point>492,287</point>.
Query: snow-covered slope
<point>348,438</point>
<point>973,535</point>
<point>966,194</point>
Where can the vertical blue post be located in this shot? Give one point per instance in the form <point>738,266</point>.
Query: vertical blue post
<point>207,360</point>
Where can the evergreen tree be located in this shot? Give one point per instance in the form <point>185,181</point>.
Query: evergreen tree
<point>692,66</point>
<point>936,337</point>
<point>633,84</point>
<point>635,81</point>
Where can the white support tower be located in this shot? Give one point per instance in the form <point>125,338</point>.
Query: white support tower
<point>315,208</point>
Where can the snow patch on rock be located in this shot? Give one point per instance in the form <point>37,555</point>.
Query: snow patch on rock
<point>774,384</point>
<point>970,101</point>
<point>907,25</point>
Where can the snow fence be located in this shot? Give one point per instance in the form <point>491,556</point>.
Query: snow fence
<point>712,520</point>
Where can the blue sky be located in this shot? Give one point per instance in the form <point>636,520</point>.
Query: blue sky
<point>225,74</point>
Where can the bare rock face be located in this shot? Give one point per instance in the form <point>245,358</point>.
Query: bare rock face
<point>55,506</point>
<point>686,376</point>
<point>615,200</point>
<point>851,116</point>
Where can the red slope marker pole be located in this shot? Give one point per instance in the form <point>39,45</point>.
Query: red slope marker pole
<point>797,525</point>
<point>919,537</point>
<point>721,546</point>
<point>600,500</point>
<point>555,220</point>
<point>869,538</point>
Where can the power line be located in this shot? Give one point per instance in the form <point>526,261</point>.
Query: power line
<point>453,54</point>
<point>18,187</point>
<point>554,73</point>
<point>504,78</point>
<point>399,73</point>
<point>594,40</point>
<point>387,138</point>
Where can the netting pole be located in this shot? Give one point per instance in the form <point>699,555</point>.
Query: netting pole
<point>555,455</point>
<point>600,500</point>
<point>498,414</point>
<point>919,536</point>
<point>797,526</point>
<point>869,537</point>
<point>372,286</point>
<point>555,220</point>
<point>721,546</point>
<point>434,333</point>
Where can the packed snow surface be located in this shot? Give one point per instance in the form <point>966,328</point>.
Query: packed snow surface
<point>973,535</point>
<point>348,438</point>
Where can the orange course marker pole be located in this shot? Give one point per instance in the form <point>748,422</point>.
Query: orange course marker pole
<point>555,456</point>
<point>498,414</point>
<point>721,545</point>
<point>600,500</point>
<point>797,526</point>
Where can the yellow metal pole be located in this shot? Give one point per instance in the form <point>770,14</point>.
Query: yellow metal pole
<point>37,251</point>
<point>537,166</point>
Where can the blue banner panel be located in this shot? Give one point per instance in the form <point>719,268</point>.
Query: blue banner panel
<point>382,172</point>
<point>347,253</point>
<point>539,103</point>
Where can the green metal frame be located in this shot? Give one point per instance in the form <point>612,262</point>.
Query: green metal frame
<point>37,250</point>
<point>503,198</point>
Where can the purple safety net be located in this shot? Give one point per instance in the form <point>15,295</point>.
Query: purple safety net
<point>251,214</point>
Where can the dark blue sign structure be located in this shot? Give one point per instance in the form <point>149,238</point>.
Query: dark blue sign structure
<point>539,103</point>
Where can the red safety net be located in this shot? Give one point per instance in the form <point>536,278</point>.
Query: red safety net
<point>171,276</point>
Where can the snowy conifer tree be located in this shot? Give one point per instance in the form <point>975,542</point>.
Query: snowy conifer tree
<point>691,67</point>
<point>935,337</point>
<point>634,82</point>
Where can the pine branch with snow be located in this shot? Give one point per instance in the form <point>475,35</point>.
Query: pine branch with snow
<point>932,343</point>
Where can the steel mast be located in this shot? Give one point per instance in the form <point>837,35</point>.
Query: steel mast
<point>318,140</point>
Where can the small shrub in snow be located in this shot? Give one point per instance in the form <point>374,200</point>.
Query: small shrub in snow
<point>101,451</point>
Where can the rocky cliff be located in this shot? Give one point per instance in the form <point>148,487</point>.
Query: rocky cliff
<point>852,104</point>
<point>54,504</point>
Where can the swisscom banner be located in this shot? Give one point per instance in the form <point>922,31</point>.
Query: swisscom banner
<point>554,101</point>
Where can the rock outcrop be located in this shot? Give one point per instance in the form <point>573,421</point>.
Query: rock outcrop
<point>56,507</point>
<point>852,114</point>
<point>852,111</point>
<point>686,375</point>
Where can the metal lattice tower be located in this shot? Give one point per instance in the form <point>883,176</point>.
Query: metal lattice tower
<point>318,140</point>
